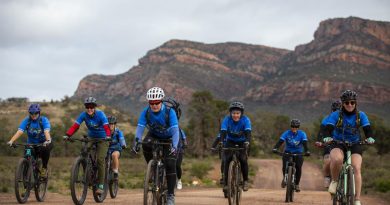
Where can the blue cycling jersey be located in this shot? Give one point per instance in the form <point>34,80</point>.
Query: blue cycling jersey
<point>118,140</point>
<point>94,123</point>
<point>235,130</point>
<point>293,141</point>
<point>157,124</point>
<point>348,131</point>
<point>35,134</point>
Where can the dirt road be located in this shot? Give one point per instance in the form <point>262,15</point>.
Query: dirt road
<point>265,190</point>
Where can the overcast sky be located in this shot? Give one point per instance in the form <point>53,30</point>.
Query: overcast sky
<point>48,46</point>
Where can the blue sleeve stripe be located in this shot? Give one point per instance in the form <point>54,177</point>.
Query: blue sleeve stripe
<point>77,122</point>
<point>366,124</point>
<point>224,129</point>
<point>21,129</point>
<point>141,125</point>
<point>248,129</point>
<point>47,129</point>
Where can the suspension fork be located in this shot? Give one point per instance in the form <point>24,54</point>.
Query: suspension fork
<point>348,165</point>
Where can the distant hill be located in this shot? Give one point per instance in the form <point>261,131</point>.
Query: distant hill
<point>346,53</point>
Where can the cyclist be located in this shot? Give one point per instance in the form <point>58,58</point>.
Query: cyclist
<point>336,105</point>
<point>182,145</point>
<point>162,124</point>
<point>37,128</point>
<point>296,143</point>
<point>116,145</point>
<point>346,124</point>
<point>236,129</point>
<point>97,124</point>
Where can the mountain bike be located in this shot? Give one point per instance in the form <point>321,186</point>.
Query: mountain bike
<point>155,183</point>
<point>113,184</point>
<point>345,191</point>
<point>28,175</point>
<point>84,172</point>
<point>235,179</point>
<point>289,175</point>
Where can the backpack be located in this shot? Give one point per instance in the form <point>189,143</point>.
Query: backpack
<point>40,124</point>
<point>170,103</point>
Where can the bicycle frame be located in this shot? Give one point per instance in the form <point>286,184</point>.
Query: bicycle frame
<point>234,182</point>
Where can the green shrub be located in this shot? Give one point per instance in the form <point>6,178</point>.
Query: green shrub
<point>200,169</point>
<point>382,185</point>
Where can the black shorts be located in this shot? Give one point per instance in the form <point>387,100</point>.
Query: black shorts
<point>327,149</point>
<point>356,148</point>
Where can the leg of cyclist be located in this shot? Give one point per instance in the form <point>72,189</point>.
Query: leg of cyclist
<point>44,153</point>
<point>336,163</point>
<point>222,168</point>
<point>170,167</point>
<point>357,164</point>
<point>101,150</point>
<point>298,172</point>
<point>284,167</point>
<point>178,169</point>
<point>244,169</point>
<point>228,156</point>
<point>147,149</point>
<point>326,170</point>
<point>115,163</point>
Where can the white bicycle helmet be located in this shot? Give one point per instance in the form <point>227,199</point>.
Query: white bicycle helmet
<point>155,93</point>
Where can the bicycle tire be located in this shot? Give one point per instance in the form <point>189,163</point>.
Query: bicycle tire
<point>231,183</point>
<point>76,178</point>
<point>289,187</point>
<point>113,185</point>
<point>23,181</point>
<point>41,187</point>
<point>351,187</point>
<point>150,197</point>
<point>239,184</point>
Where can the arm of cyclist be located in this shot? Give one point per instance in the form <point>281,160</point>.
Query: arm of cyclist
<point>328,133</point>
<point>138,137</point>
<point>174,131</point>
<point>277,145</point>
<point>369,135</point>
<point>14,138</point>
<point>305,148</point>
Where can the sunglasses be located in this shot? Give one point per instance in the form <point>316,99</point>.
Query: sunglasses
<point>350,103</point>
<point>154,103</point>
<point>34,113</point>
<point>294,126</point>
<point>89,107</point>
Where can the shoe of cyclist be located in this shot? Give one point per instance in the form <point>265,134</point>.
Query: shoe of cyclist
<point>283,184</point>
<point>357,202</point>
<point>221,181</point>
<point>327,181</point>
<point>171,199</point>
<point>246,186</point>
<point>332,187</point>
<point>116,174</point>
<point>225,188</point>
<point>179,185</point>
<point>99,189</point>
<point>297,189</point>
<point>43,172</point>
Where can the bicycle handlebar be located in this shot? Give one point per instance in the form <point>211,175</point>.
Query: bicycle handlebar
<point>14,145</point>
<point>86,139</point>
<point>289,154</point>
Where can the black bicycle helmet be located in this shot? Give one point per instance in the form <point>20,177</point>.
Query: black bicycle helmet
<point>348,95</point>
<point>111,120</point>
<point>90,101</point>
<point>295,123</point>
<point>336,105</point>
<point>236,105</point>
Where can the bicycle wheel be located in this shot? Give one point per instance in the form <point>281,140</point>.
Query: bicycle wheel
<point>113,184</point>
<point>23,181</point>
<point>232,188</point>
<point>41,186</point>
<point>99,198</point>
<point>150,197</point>
<point>289,187</point>
<point>239,184</point>
<point>78,181</point>
<point>351,187</point>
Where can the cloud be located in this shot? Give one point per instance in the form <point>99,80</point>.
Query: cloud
<point>48,46</point>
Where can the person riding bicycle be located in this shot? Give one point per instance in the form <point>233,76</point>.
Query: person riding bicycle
<point>162,125</point>
<point>336,105</point>
<point>346,124</point>
<point>216,146</point>
<point>117,143</point>
<point>180,153</point>
<point>37,128</point>
<point>236,129</point>
<point>98,128</point>
<point>296,143</point>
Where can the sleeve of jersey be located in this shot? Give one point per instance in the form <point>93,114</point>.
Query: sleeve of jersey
<point>138,132</point>
<point>122,140</point>
<point>142,119</point>
<point>23,125</point>
<point>80,119</point>
<point>224,124</point>
<point>46,124</point>
<point>304,136</point>
<point>364,119</point>
<point>174,131</point>
<point>173,119</point>
<point>324,121</point>
<point>103,118</point>
<point>332,119</point>
<point>248,125</point>
<point>283,136</point>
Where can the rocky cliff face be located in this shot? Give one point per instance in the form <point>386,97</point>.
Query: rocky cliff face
<point>346,53</point>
